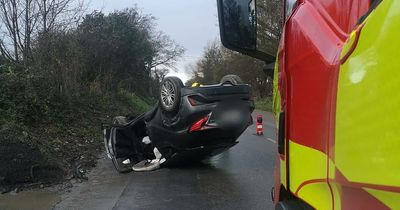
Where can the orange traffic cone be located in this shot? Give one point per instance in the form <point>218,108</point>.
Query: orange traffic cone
<point>259,126</point>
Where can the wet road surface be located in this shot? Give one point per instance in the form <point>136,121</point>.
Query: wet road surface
<point>240,178</point>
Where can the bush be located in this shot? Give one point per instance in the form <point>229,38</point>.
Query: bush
<point>20,98</point>
<point>59,130</point>
<point>54,98</point>
<point>264,104</point>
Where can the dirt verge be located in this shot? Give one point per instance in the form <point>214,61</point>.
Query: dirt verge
<point>47,155</point>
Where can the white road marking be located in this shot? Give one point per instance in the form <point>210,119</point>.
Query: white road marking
<point>271,140</point>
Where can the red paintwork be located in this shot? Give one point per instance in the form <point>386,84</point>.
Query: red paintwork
<point>354,197</point>
<point>277,182</point>
<point>308,70</point>
<point>312,47</point>
<point>359,199</point>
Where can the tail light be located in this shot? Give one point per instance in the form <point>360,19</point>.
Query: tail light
<point>196,100</point>
<point>201,124</point>
<point>192,101</point>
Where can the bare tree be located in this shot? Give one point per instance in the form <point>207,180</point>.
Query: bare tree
<point>166,52</point>
<point>18,22</point>
<point>60,14</point>
<point>22,20</point>
<point>9,17</point>
<point>30,20</point>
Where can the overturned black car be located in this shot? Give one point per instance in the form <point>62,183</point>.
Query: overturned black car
<point>188,124</point>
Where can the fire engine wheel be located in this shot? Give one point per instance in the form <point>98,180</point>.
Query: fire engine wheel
<point>292,205</point>
<point>170,94</point>
<point>231,78</point>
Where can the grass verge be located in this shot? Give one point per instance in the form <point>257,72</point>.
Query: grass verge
<point>64,143</point>
<point>264,104</point>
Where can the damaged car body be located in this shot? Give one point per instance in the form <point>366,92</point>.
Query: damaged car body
<point>187,124</point>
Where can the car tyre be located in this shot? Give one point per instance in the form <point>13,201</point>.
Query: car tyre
<point>120,120</point>
<point>170,94</point>
<point>231,78</point>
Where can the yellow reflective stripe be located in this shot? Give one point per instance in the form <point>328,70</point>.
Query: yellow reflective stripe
<point>368,107</point>
<point>276,98</point>
<point>348,44</point>
<point>305,164</point>
<point>308,174</point>
<point>283,172</point>
<point>317,195</point>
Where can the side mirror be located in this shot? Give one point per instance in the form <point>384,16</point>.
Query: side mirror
<point>239,29</point>
<point>239,25</point>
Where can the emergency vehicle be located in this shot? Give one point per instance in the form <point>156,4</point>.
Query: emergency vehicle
<point>336,77</point>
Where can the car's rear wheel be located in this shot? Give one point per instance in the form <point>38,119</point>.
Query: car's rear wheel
<point>170,94</point>
<point>231,78</point>
<point>120,120</point>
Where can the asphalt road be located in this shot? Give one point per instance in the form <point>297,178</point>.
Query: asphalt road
<point>240,178</point>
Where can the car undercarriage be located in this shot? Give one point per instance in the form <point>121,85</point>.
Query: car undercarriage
<point>187,125</point>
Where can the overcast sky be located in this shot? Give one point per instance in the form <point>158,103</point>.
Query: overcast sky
<point>191,23</point>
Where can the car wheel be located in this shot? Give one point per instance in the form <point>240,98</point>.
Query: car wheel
<point>120,120</point>
<point>170,93</point>
<point>231,78</point>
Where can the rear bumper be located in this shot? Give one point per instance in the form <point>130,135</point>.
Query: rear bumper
<point>196,154</point>
<point>182,140</point>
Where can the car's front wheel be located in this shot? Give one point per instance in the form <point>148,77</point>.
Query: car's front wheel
<point>170,94</point>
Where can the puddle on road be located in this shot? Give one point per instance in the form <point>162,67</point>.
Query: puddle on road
<point>33,200</point>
